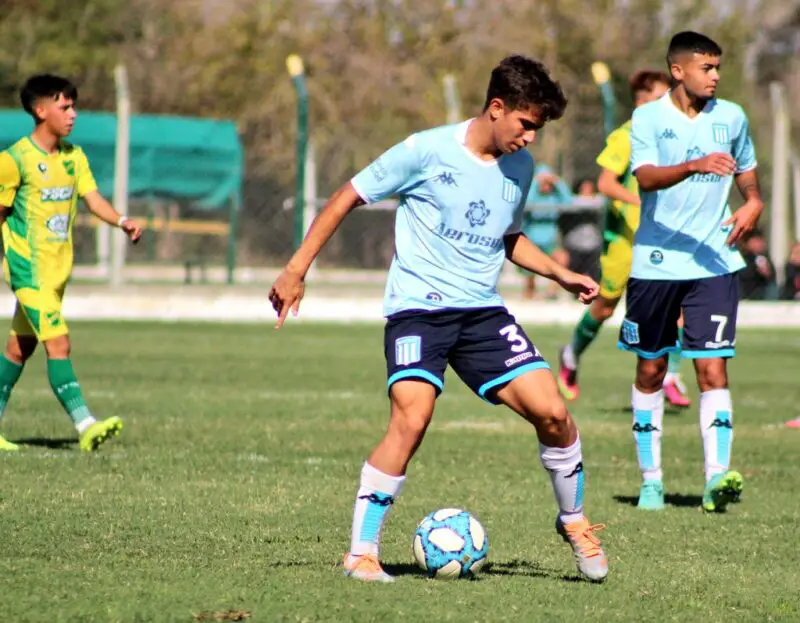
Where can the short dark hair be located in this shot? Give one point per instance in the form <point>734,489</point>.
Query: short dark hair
<point>646,79</point>
<point>690,41</point>
<point>45,86</point>
<point>522,83</point>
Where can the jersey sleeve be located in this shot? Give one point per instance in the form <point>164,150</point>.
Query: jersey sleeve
<point>85,179</point>
<point>9,179</point>
<point>617,153</point>
<point>519,213</point>
<point>742,149</point>
<point>644,149</point>
<point>393,173</point>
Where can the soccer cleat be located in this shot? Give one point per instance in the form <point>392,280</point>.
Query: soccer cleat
<point>721,490</point>
<point>567,379</point>
<point>675,392</point>
<point>651,495</point>
<point>7,446</point>
<point>100,432</point>
<point>795,423</point>
<point>366,568</point>
<point>589,556</point>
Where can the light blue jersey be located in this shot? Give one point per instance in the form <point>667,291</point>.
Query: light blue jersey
<point>454,211</point>
<point>681,236</point>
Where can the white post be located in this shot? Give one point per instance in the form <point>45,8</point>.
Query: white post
<point>121,171</point>
<point>796,194</point>
<point>780,179</point>
<point>451,99</point>
<point>310,194</point>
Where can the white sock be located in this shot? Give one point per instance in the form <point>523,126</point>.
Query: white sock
<point>716,428</point>
<point>84,424</point>
<point>570,361</point>
<point>648,420</point>
<point>374,499</point>
<point>566,473</point>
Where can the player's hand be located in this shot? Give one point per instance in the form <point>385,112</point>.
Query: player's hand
<point>719,163</point>
<point>286,294</point>
<point>744,220</point>
<point>584,286</point>
<point>132,229</point>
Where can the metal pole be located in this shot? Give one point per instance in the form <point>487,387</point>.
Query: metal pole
<point>232,225</point>
<point>294,64</point>
<point>779,208</point>
<point>452,99</point>
<point>121,171</point>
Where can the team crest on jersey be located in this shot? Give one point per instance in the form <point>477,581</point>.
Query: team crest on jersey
<point>511,191</point>
<point>720,131</point>
<point>407,350</point>
<point>630,332</point>
<point>477,213</point>
<point>59,225</point>
<point>42,169</point>
<point>69,167</point>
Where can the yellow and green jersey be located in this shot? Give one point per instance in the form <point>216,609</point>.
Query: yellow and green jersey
<point>622,220</point>
<point>42,191</point>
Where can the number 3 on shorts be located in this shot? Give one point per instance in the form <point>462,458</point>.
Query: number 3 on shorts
<point>721,322</point>
<point>518,343</point>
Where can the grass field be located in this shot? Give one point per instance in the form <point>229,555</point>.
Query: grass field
<point>231,489</point>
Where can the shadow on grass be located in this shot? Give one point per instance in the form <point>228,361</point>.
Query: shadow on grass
<point>63,443</point>
<point>522,568</point>
<point>672,499</point>
<point>627,409</point>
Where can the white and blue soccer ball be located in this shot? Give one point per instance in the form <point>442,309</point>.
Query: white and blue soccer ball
<point>450,543</point>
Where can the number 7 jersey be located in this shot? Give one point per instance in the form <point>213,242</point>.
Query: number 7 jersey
<point>42,193</point>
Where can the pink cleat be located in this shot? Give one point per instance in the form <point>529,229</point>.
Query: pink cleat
<point>675,392</point>
<point>795,423</point>
<point>567,378</point>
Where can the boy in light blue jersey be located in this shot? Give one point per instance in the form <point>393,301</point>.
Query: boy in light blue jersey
<point>462,191</point>
<point>688,148</point>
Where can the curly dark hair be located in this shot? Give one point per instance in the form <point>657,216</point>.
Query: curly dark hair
<point>646,79</point>
<point>522,83</point>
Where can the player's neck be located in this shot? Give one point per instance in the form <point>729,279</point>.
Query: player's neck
<point>688,104</point>
<point>45,139</point>
<point>479,139</point>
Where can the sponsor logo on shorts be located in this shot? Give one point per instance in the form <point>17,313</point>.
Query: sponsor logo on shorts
<point>407,350</point>
<point>656,257</point>
<point>721,344</point>
<point>518,359</point>
<point>630,332</point>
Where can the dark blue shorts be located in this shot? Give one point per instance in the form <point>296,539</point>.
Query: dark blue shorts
<point>485,347</point>
<point>709,312</point>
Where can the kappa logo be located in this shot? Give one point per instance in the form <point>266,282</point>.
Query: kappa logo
<point>446,179</point>
<point>668,134</point>
<point>477,213</point>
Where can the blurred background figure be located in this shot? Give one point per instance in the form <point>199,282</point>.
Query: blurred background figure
<point>791,286</point>
<point>757,278</point>
<point>540,222</point>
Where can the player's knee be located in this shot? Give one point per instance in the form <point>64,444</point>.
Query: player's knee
<point>20,348</point>
<point>555,422</point>
<point>604,310</point>
<point>650,374</point>
<point>712,375</point>
<point>410,424</point>
<point>58,348</point>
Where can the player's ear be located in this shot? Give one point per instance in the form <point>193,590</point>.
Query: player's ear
<point>496,109</point>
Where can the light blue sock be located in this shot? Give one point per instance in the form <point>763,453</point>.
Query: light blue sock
<point>374,499</point>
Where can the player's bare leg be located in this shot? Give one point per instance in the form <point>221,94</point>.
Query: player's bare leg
<point>65,386</point>
<point>562,257</point>
<point>534,395</point>
<point>723,485</point>
<point>530,287</point>
<point>675,390</point>
<point>19,349</point>
<point>383,476</point>
<point>588,327</point>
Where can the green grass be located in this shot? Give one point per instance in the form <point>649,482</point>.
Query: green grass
<point>232,485</point>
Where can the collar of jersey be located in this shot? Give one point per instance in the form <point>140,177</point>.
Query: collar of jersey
<point>461,139</point>
<point>668,102</point>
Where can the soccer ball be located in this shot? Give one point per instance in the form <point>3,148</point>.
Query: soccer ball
<point>450,543</point>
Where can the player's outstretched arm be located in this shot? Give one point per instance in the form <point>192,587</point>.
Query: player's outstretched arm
<point>608,184</point>
<point>103,210</point>
<point>527,255</point>
<point>288,289</point>
<point>746,217</point>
